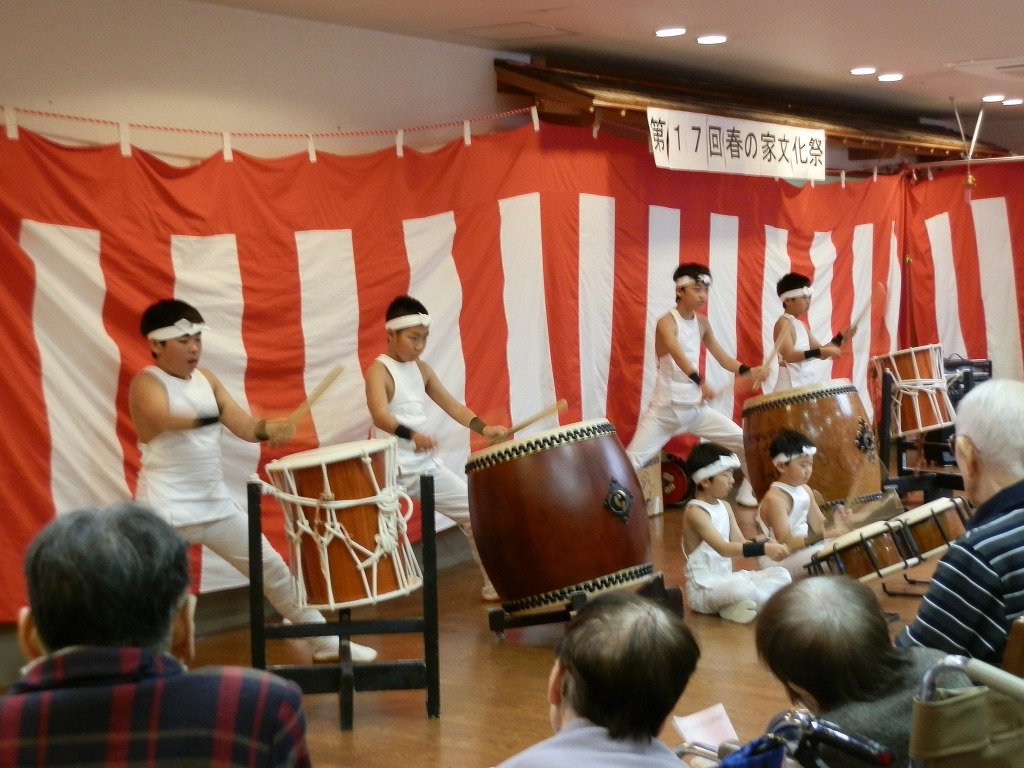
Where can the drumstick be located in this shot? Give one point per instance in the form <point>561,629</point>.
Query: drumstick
<point>558,407</point>
<point>771,356</point>
<point>303,409</point>
<point>877,293</point>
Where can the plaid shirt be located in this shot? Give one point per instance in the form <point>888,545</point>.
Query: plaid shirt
<point>978,587</point>
<point>90,706</point>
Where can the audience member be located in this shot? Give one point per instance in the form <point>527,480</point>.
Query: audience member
<point>618,673</point>
<point>108,606</point>
<point>978,586</point>
<point>827,641</point>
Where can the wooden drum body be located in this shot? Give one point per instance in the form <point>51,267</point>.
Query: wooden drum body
<point>558,512</point>
<point>920,399</point>
<point>865,553</point>
<point>933,527</point>
<point>830,414</point>
<point>345,525</point>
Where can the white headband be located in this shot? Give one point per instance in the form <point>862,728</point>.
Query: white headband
<point>181,328</point>
<point>785,458</point>
<point>686,280</point>
<point>729,461</point>
<point>797,293</point>
<point>407,321</point>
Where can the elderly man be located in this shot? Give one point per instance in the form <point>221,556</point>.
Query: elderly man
<point>978,587</point>
<point>108,605</point>
<point>618,673</point>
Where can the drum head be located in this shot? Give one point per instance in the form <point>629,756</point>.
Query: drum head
<point>796,394</point>
<point>567,433</point>
<point>329,454</point>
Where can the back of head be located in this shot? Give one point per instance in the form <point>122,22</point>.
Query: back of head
<point>106,577</point>
<point>626,662</point>
<point>992,416</point>
<point>167,312</point>
<point>404,305</point>
<point>792,282</point>
<point>828,636</point>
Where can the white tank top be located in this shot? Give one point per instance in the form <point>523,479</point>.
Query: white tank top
<point>408,405</point>
<point>704,566</point>
<point>673,386</point>
<point>796,374</point>
<point>797,514</point>
<point>181,476</point>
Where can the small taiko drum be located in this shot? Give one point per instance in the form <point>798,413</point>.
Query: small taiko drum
<point>933,527</point>
<point>830,414</point>
<point>557,513</point>
<point>920,399</point>
<point>345,519</point>
<point>865,553</point>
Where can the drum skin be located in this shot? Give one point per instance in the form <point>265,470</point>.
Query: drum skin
<point>830,415</point>
<point>920,397</point>
<point>347,478</point>
<point>539,514</point>
<point>864,553</point>
<point>936,525</point>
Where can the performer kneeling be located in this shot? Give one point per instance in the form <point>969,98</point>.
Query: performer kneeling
<point>711,538</point>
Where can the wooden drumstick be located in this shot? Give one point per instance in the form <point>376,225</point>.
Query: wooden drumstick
<point>558,407</point>
<point>303,409</point>
<point>771,356</point>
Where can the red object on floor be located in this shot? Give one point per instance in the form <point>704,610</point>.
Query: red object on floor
<point>680,446</point>
<point>673,481</point>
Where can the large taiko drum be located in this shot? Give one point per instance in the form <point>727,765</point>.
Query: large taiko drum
<point>830,414</point>
<point>559,512</point>
<point>920,399</point>
<point>345,520</point>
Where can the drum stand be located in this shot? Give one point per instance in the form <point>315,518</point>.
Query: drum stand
<point>498,620</point>
<point>345,677</point>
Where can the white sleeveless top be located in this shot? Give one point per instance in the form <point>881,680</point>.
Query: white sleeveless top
<point>181,476</point>
<point>797,515</point>
<point>673,386</point>
<point>796,374</point>
<point>704,566</point>
<point>408,405</point>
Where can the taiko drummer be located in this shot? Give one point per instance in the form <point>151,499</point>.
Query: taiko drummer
<point>178,410</point>
<point>797,344</point>
<point>398,384</point>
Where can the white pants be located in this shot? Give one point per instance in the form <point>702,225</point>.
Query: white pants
<point>738,585</point>
<point>229,538</point>
<point>663,422</point>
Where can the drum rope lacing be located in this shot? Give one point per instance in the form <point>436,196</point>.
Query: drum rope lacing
<point>390,539</point>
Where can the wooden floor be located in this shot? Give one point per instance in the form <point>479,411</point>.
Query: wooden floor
<point>493,690</point>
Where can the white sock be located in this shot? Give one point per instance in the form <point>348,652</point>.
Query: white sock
<point>743,612</point>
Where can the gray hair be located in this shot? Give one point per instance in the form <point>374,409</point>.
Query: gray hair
<point>992,416</point>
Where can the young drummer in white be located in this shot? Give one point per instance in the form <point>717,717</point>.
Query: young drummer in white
<point>178,410</point>
<point>397,386</point>
<point>712,538</point>
<point>679,403</point>
<point>798,345</point>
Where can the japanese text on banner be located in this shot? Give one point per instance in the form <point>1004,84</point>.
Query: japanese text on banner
<point>688,141</point>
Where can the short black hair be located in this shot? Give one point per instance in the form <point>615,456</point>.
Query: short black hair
<point>702,455</point>
<point>626,661</point>
<point>107,577</point>
<point>692,270</point>
<point>789,442</point>
<point>404,305</point>
<point>167,312</point>
<point>792,282</point>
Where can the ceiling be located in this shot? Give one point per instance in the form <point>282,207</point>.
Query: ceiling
<point>951,52</point>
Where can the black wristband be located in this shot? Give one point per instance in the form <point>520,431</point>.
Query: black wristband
<point>477,425</point>
<point>753,548</point>
<point>695,378</point>
<point>837,339</point>
<point>403,431</point>
<point>260,430</point>
<point>743,369</point>
<point>812,353</point>
<point>205,421</point>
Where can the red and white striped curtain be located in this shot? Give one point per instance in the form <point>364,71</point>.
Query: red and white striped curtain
<point>544,258</point>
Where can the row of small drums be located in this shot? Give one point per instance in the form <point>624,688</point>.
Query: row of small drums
<point>885,546</point>
<point>555,513</point>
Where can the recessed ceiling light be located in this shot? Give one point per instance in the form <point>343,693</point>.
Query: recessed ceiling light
<point>711,39</point>
<point>890,77</point>
<point>1013,102</point>
<point>993,98</point>
<point>671,32</point>
<point>863,71</point>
